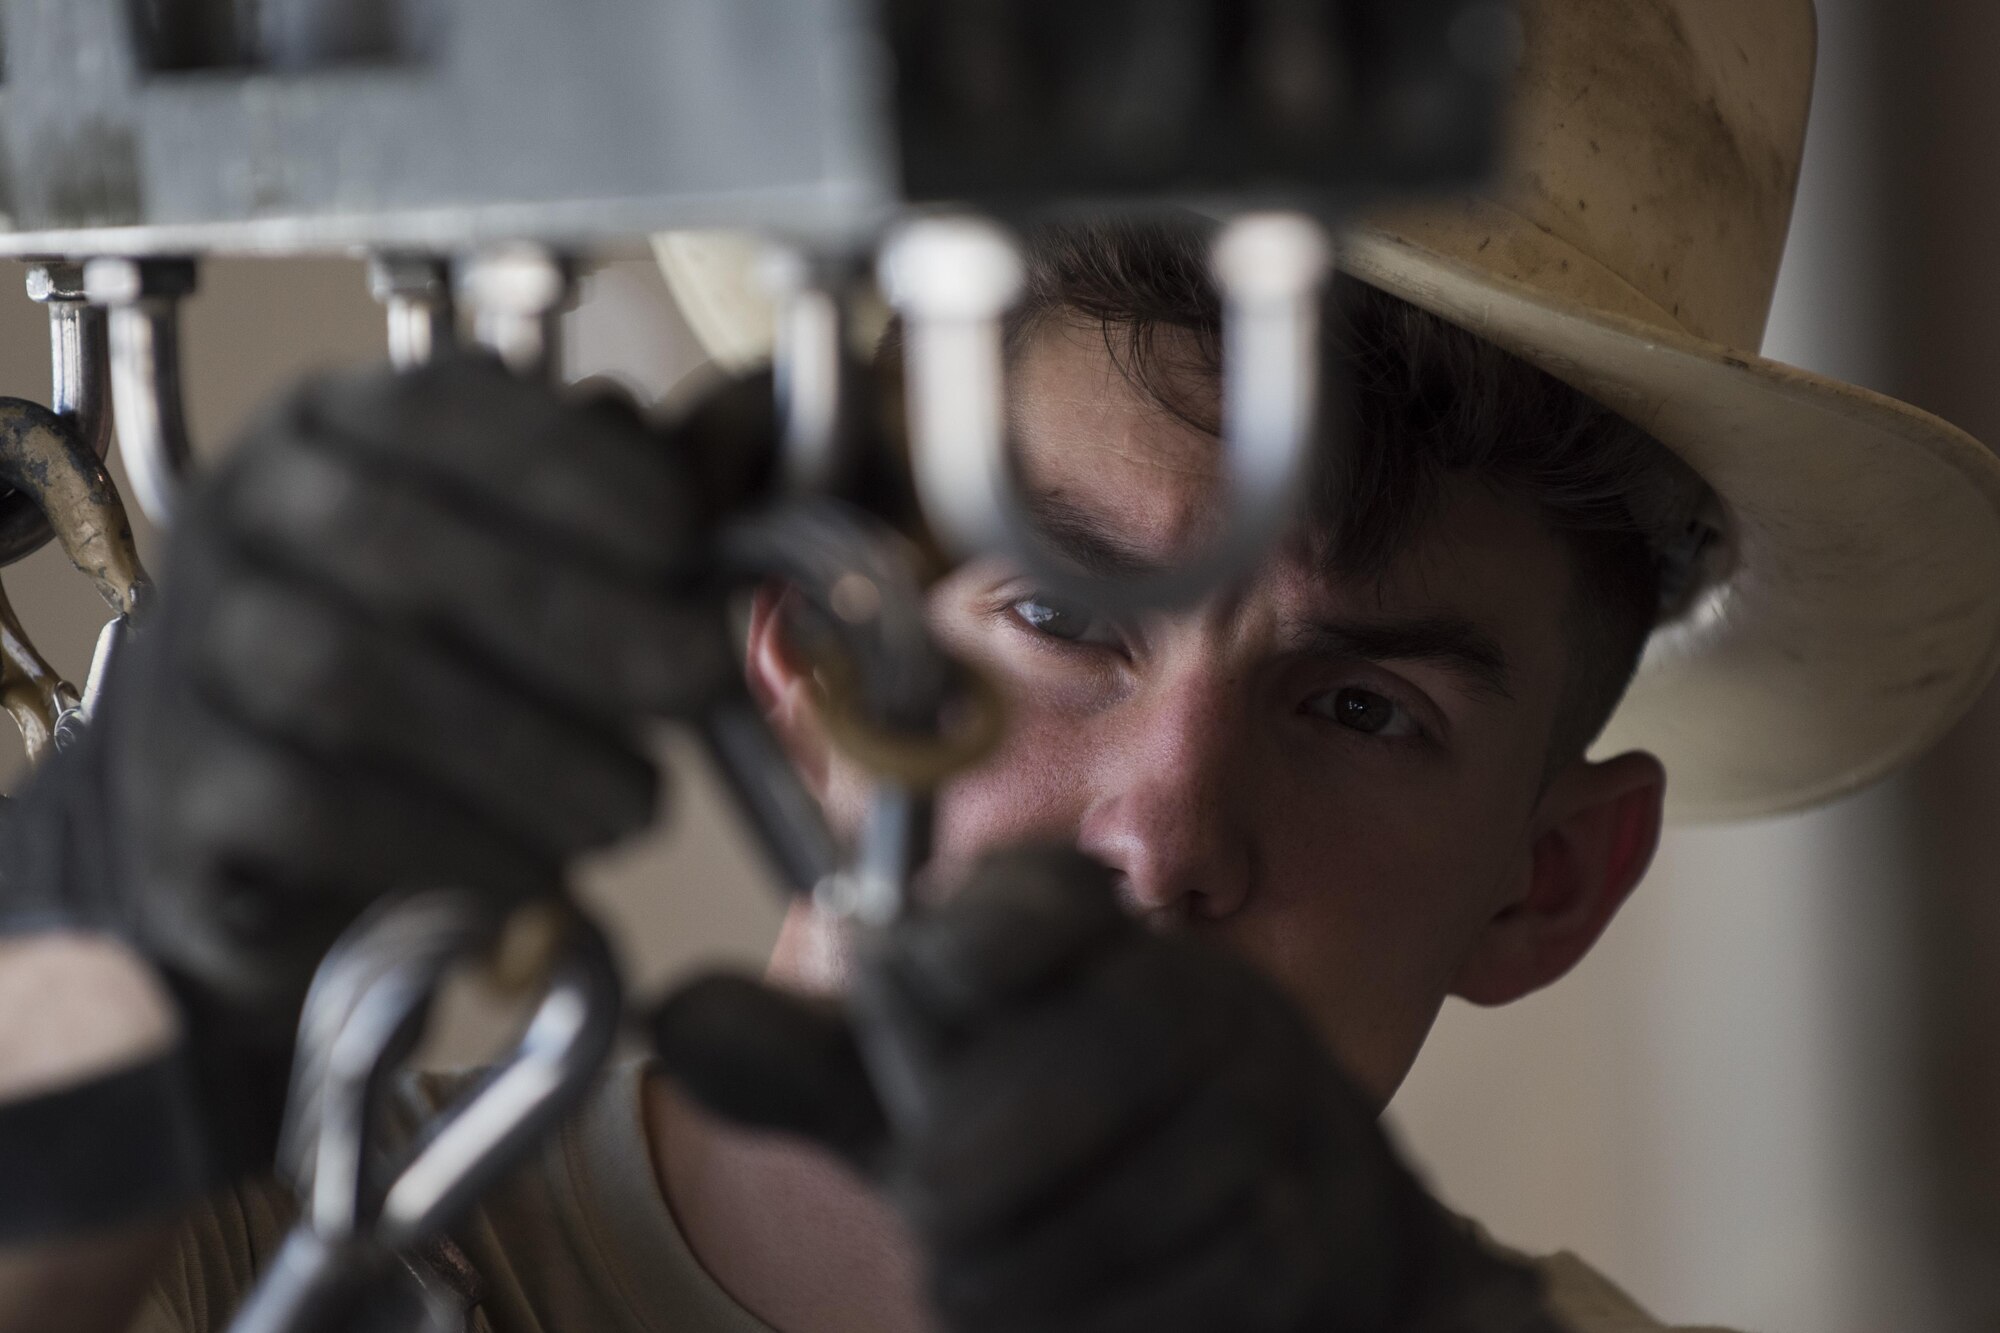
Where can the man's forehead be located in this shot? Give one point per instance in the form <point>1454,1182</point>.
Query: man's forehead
<point>1120,480</point>
<point>1093,442</point>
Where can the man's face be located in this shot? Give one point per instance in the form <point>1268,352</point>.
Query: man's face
<point>1337,779</point>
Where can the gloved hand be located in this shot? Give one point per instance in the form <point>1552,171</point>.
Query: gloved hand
<point>407,634</point>
<point>1090,1127</point>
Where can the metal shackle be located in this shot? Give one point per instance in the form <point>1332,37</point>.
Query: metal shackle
<point>48,464</point>
<point>861,604</point>
<point>365,1206</point>
<point>892,701</point>
<point>953,279</point>
<point>144,297</point>
<point>44,459</point>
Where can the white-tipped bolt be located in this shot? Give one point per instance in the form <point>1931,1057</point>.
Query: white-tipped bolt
<point>1263,257</point>
<point>517,294</point>
<point>55,280</point>
<point>515,279</point>
<point>952,268</point>
<point>119,281</point>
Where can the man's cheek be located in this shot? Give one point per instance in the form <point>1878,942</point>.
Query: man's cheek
<point>1363,911</point>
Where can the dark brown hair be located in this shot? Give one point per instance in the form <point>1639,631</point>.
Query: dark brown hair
<point>1412,402</point>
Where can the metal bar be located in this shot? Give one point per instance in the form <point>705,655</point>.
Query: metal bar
<point>809,363</point>
<point>79,351</point>
<point>580,125</point>
<point>79,393</point>
<point>894,845</point>
<point>315,125</point>
<point>144,298</point>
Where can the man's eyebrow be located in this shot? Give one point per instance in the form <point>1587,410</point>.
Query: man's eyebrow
<point>1086,539</point>
<point>1448,641</point>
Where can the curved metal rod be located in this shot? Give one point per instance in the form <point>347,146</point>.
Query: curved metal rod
<point>79,352</point>
<point>79,390</point>
<point>143,297</point>
<point>954,280</point>
<point>367,1000</point>
<point>362,1016</point>
<point>486,1135</point>
<point>810,366</point>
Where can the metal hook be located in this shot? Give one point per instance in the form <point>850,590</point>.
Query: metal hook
<point>365,1207</point>
<point>954,280</point>
<point>810,365</point>
<point>423,320</point>
<point>892,701</point>
<point>144,296</point>
<point>517,294</point>
<point>79,352</point>
<point>79,390</point>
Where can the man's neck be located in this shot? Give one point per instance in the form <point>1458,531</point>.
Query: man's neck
<point>791,1234</point>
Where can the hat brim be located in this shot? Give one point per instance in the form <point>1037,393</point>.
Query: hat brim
<point>1859,614</point>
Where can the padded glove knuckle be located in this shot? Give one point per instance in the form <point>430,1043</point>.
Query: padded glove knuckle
<point>285,659</point>
<point>284,493</point>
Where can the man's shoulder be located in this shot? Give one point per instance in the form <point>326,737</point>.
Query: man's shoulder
<point>218,1250</point>
<point>1586,1301</point>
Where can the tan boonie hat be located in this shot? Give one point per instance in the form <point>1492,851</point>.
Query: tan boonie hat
<point>1630,249</point>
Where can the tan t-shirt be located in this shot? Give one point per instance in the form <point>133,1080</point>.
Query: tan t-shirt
<point>581,1241</point>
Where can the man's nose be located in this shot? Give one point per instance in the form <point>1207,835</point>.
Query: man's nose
<point>1171,786</point>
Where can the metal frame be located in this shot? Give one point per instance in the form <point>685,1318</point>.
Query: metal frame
<point>580,124</point>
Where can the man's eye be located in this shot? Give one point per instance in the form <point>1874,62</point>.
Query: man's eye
<point>1365,711</point>
<point>1059,618</point>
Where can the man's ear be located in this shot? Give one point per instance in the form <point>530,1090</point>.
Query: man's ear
<point>783,687</point>
<point>1598,825</point>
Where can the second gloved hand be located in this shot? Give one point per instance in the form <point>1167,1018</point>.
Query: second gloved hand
<point>1090,1127</point>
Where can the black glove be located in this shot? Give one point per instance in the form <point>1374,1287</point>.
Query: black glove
<point>407,636</point>
<point>1089,1127</point>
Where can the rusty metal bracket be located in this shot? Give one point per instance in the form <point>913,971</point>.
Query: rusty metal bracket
<point>46,460</point>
